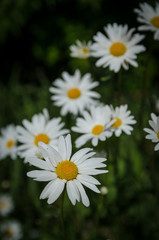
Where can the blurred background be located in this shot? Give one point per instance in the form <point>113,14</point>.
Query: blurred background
<point>35,37</point>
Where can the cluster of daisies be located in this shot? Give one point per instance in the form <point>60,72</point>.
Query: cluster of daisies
<point>9,229</point>
<point>118,46</point>
<point>44,143</point>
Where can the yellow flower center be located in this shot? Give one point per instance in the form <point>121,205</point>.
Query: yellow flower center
<point>10,144</point>
<point>3,205</point>
<point>9,233</point>
<point>74,93</point>
<point>155,21</point>
<point>117,49</point>
<point>117,123</point>
<point>97,129</point>
<point>41,138</point>
<point>67,170</point>
<point>85,50</point>
<point>158,134</point>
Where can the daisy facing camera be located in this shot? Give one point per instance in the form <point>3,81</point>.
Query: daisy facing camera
<point>62,169</point>
<point>117,48</point>
<point>73,93</point>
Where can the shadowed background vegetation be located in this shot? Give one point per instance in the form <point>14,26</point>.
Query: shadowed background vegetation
<point>34,47</point>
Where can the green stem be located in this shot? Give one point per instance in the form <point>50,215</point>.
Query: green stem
<point>116,159</point>
<point>144,87</point>
<point>119,85</point>
<point>92,69</point>
<point>153,173</point>
<point>62,216</point>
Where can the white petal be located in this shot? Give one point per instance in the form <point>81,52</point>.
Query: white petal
<point>56,190</point>
<point>68,147</point>
<point>38,163</point>
<point>83,194</point>
<point>90,179</point>
<point>62,148</point>
<point>87,184</point>
<point>91,164</point>
<point>85,158</point>
<point>50,153</point>
<point>95,141</point>
<point>46,191</point>
<point>157,147</point>
<point>76,191</point>
<point>79,154</point>
<point>70,193</point>
<point>40,175</point>
<point>92,171</point>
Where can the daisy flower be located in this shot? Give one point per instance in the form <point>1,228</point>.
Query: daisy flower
<point>153,134</point>
<point>117,48</point>
<point>81,49</point>
<point>6,204</point>
<point>11,230</point>
<point>123,120</point>
<point>94,126</point>
<point>74,93</point>
<point>42,129</point>
<point>149,17</point>
<point>8,142</point>
<point>60,168</point>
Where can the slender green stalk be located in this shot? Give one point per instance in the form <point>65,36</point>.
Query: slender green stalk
<point>116,155</point>
<point>119,85</point>
<point>62,216</point>
<point>117,142</point>
<point>144,86</point>
<point>107,150</point>
<point>92,69</point>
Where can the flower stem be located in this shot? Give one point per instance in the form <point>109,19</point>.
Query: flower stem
<point>144,86</point>
<point>116,157</point>
<point>119,85</point>
<point>62,216</point>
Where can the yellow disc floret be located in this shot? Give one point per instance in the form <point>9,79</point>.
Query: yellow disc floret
<point>97,129</point>
<point>10,144</point>
<point>67,170</point>
<point>41,138</point>
<point>74,93</point>
<point>155,21</point>
<point>3,205</point>
<point>158,134</point>
<point>117,49</point>
<point>117,123</point>
<point>85,50</point>
<point>9,233</point>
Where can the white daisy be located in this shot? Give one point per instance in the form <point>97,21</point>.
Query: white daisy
<point>153,135</point>
<point>62,169</point>
<point>149,17</point>
<point>6,204</point>
<point>117,48</point>
<point>123,120</point>
<point>8,142</point>
<point>11,230</point>
<point>94,126</point>
<point>40,129</point>
<point>81,49</point>
<point>74,93</point>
